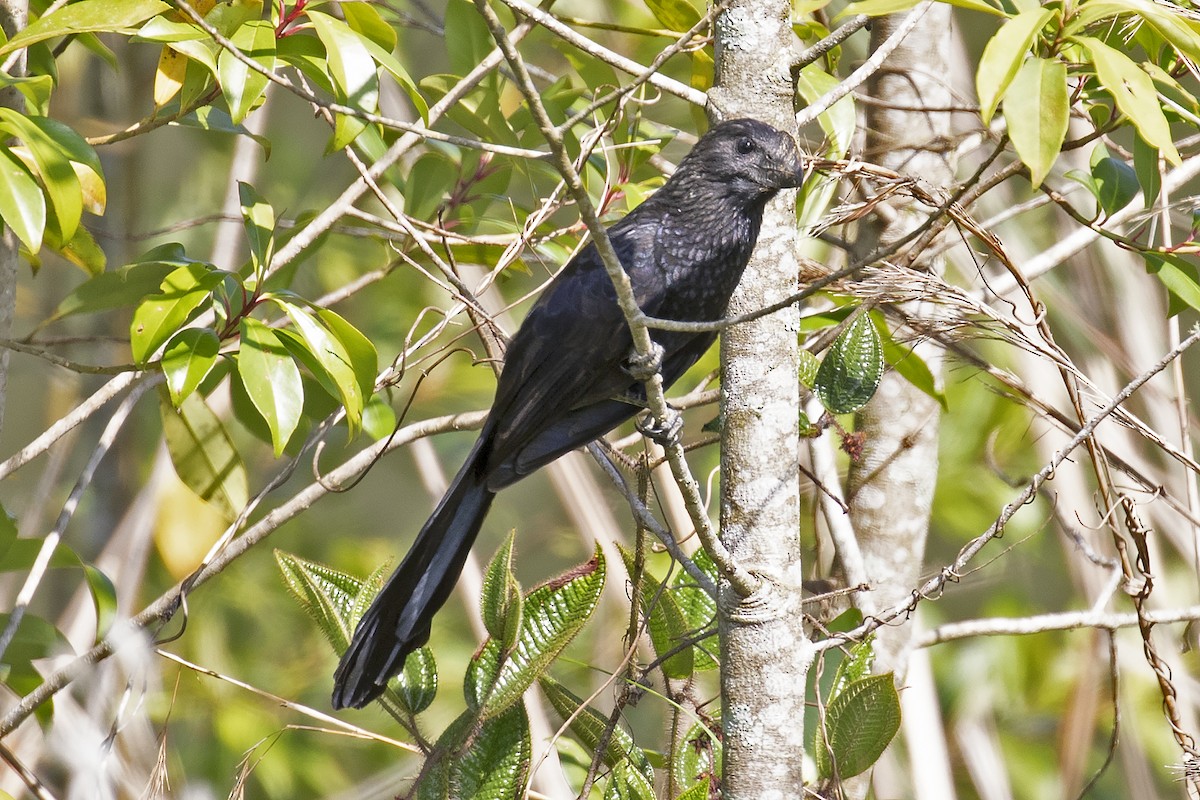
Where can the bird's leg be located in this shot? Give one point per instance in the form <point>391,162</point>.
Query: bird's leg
<point>642,367</point>
<point>664,431</point>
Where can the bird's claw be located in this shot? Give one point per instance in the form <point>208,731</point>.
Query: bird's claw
<point>664,431</point>
<point>644,366</point>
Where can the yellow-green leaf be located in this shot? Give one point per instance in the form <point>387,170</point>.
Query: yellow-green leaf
<point>203,454</point>
<point>1036,108</point>
<point>272,380</point>
<point>1003,55</point>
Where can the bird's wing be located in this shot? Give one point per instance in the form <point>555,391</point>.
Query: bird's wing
<point>569,351</point>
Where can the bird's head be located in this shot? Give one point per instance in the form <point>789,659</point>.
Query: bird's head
<point>749,158</point>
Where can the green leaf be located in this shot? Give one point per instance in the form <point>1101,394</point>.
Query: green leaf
<point>326,595</point>
<point>366,21</point>
<point>553,614</point>
<point>589,725</point>
<point>674,15</point>
<point>467,39</point>
<point>203,454</point>
<point>187,360</point>
<point>1036,108</point>
<point>1179,276</point>
<point>1003,55</point>
<point>496,762</point>
<point>8,534</point>
<point>378,420</point>
<point>879,8</point>
<point>35,638</point>
<point>122,287</point>
<point>272,380</point>
<point>242,86</point>
<point>626,783</point>
<point>416,685</point>
<point>364,359</point>
<point>851,370</point>
<point>1145,164</point>
<point>699,610</point>
<point>809,364</point>
<point>697,755</point>
<point>854,667</point>
<point>859,724</point>
<point>94,16</point>
<point>666,623</point>
<point>22,204</point>
<point>838,120</point>
<point>1116,182</point>
<point>353,70</point>
<point>502,598</point>
<point>104,598</point>
<point>1134,93</point>
<point>330,362</point>
<point>258,219</point>
<point>52,165</point>
<point>179,299</point>
<point>211,118</point>
<point>83,251</point>
<point>697,791</point>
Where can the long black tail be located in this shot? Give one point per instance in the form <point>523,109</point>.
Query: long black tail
<point>398,621</point>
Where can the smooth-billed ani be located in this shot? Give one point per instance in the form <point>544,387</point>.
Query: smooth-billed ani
<point>566,379</point>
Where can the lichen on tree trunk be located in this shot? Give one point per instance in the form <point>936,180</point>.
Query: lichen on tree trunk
<point>764,651</point>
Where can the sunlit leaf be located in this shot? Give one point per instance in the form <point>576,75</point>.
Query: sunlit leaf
<point>860,722</point>
<point>204,456</point>
<point>1037,108</point>
<point>553,614</point>
<point>1003,56</point>
<point>1134,93</point>
<point>258,219</point>
<point>22,204</point>
<point>243,86</point>
<point>330,361</point>
<point>272,380</point>
<point>160,315</point>
<point>852,368</point>
<point>87,15</point>
<point>353,70</point>
<point>187,360</point>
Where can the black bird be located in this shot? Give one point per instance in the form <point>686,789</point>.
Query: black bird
<point>566,377</point>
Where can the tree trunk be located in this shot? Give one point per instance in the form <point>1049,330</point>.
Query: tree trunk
<point>764,651</point>
<point>891,485</point>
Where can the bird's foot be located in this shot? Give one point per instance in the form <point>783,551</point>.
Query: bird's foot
<point>664,431</point>
<point>644,366</point>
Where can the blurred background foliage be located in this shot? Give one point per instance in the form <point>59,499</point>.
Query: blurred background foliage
<point>1006,698</point>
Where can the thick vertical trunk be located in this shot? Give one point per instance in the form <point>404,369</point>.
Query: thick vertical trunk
<point>891,486</point>
<point>765,654</point>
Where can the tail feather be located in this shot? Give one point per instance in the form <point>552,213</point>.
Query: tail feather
<point>398,620</point>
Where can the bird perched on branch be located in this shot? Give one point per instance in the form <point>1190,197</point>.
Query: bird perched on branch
<point>567,378</point>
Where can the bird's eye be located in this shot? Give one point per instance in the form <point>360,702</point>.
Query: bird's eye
<point>745,145</point>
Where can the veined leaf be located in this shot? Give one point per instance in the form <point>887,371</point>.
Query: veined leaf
<point>626,783</point>
<point>258,218</point>
<point>353,70</point>
<point>851,370</point>
<point>589,725</point>
<point>331,363</point>
<point>203,454</point>
<point>501,596</point>
<point>860,722</point>
<point>1036,108</point>
<point>674,15</point>
<point>553,614</point>
<point>1003,55</point>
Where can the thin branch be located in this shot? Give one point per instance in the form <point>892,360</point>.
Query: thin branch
<point>1059,621</point>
